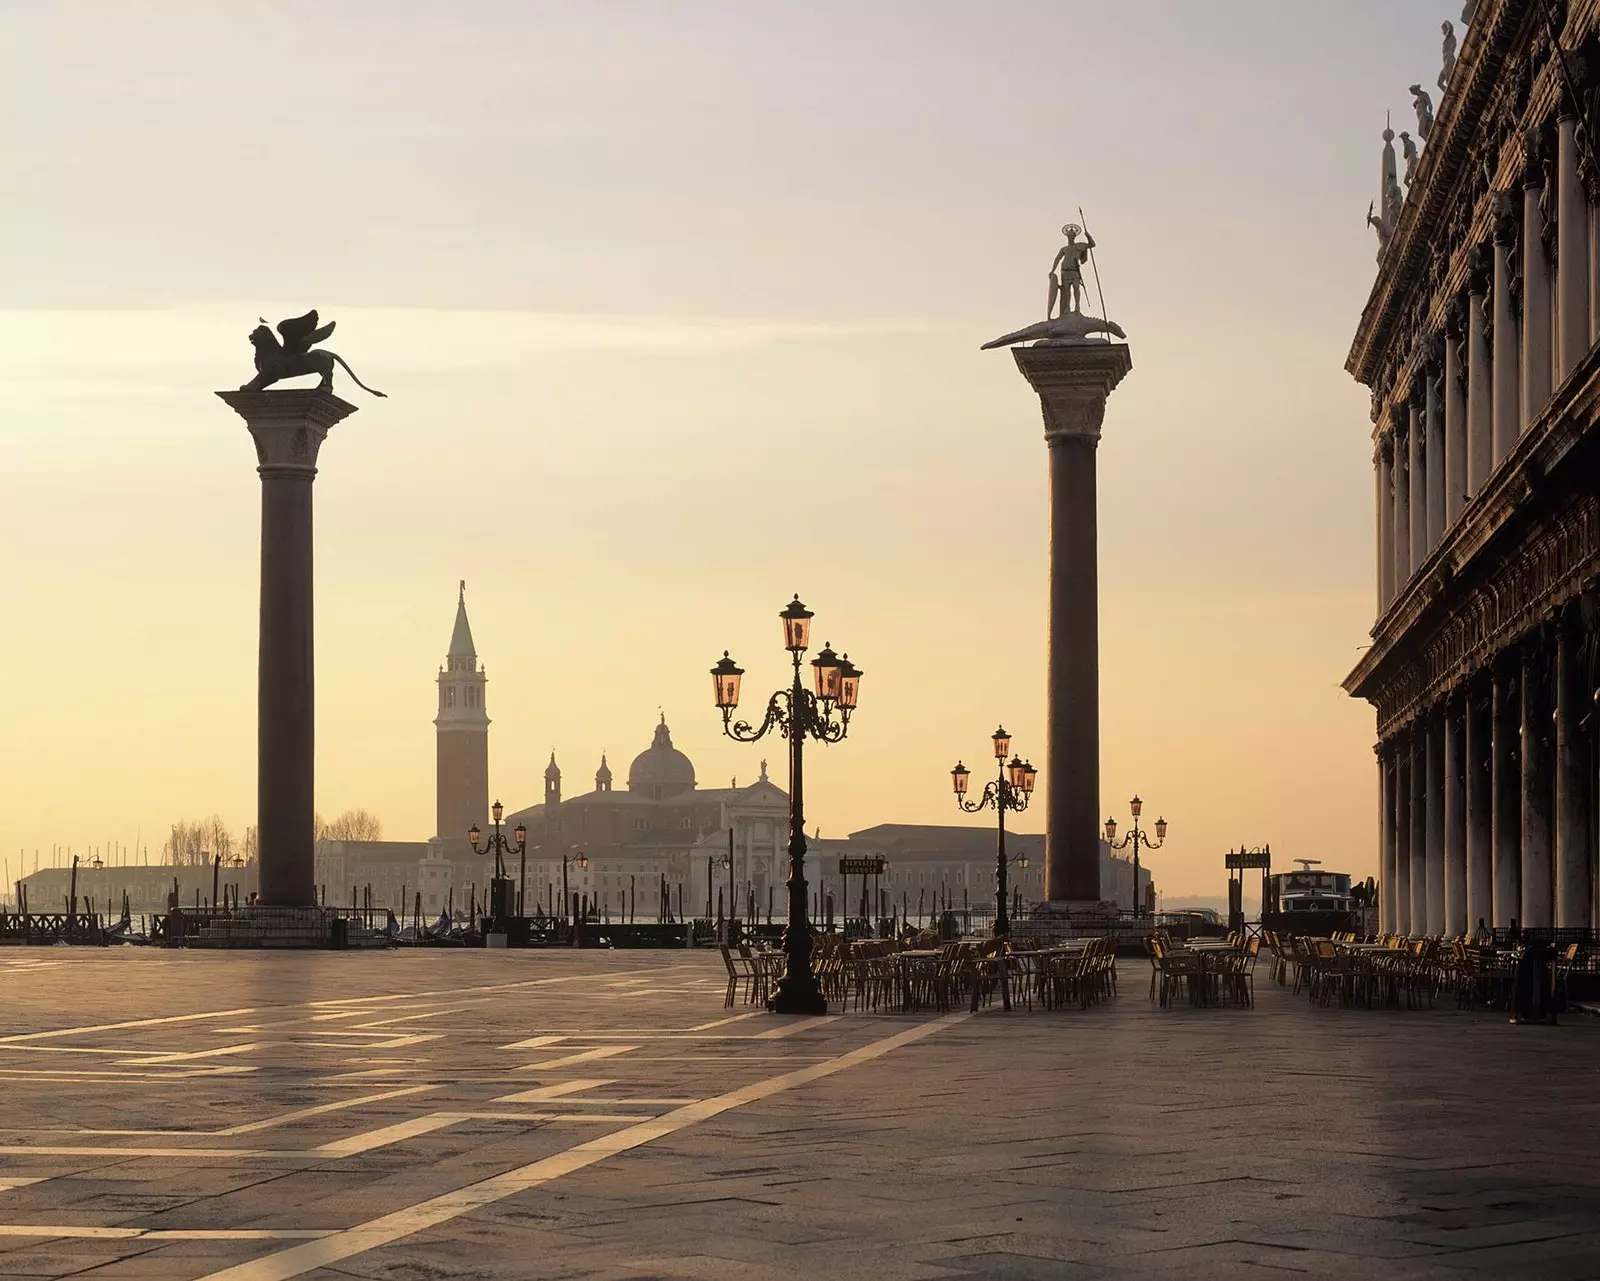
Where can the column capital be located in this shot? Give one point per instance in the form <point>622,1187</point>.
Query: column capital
<point>1507,213</point>
<point>288,426</point>
<point>1073,379</point>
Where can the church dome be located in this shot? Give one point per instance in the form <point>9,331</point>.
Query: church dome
<point>661,770</point>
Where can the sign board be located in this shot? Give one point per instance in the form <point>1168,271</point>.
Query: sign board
<point>1249,858</point>
<point>872,865</point>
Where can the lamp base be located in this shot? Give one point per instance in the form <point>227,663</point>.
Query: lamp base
<point>796,995</point>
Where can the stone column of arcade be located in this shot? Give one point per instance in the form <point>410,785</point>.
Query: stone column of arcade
<point>288,428</point>
<point>1073,365</point>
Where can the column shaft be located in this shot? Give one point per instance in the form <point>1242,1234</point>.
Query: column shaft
<point>1572,255</point>
<point>1419,829</point>
<point>1384,466</point>
<point>1416,442</point>
<point>1536,355</point>
<point>1506,420</point>
<point>1573,785</point>
<point>1455,430</point>
<point>1386,842</point>
<point>1400,539</point>
<point>1537,906</point>
<point>1479,815</point>
<point>1455,823</point>
<point>1435,821</point>
<point>1480,398</point>
<point>1592,221</point>
<point>1402,835</point>
<point>1506,783</point>
<point>1433,418</point>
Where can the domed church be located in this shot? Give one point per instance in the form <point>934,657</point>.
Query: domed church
<point>663,825</point>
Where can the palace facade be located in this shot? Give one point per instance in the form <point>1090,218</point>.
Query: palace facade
<point>1478,343</point>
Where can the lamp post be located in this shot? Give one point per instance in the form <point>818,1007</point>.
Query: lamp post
<point>500,886</point>
<point>1136,837</point>
<point>1011,790</point>
<point>797,713</point>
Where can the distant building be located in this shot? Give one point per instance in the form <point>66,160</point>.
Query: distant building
<point>931,863</point>
<point>147,885</point>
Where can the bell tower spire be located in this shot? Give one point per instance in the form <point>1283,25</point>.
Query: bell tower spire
<point>462,736</point>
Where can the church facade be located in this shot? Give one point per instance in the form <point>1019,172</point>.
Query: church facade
<point>1479,345</point>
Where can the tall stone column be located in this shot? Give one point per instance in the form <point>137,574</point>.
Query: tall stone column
<point>1572,250</point>
<point>1506,782</point>
<point>1436,819</point>
<point>1386,842</point>
<point>1455,417</point>
<point>1433,417</point>
<point>1419,465</point>
<point>1537,905</point>
<point>1419,828</point>
<point>1507,423</point>
<point>1480,394</point>
<point>1401,538</point>
<point>1480,812</point>
<point>1593,219</point>
<point>1073,380</point>
<point>1536,353</point>
<point>1455,820</point>
<point>289,428</point>
<point>1383,464</point>
<point>1401,757</point>
<point>1573,784</point>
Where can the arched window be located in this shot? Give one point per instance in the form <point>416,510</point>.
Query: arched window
<point>450,696</point>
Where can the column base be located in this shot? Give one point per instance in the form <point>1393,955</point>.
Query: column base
<point>796,995</point>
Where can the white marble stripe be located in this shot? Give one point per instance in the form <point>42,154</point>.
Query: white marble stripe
<point>300,1259</point>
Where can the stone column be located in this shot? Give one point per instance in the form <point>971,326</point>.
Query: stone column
<point>1573,784</point>
<point>1455,819</point>
<point>1480,395</point>
<point>1506,785</point>
<point>1537,905</point>
<point>1455,418</point>
<point>1073,380</point>
<point>289,428</point>
<point>1386,842</point>
<point>1433,418</point>
<point>1480,812</point>
<point>1419,467</point>
<point>1419,828</point>
<point>1572,250</point>
<point>1536,354</point>
<point>1383,463</point>
<point>1400,752</point>
<point>1593,214</point>
<point>1435,820</point>
<point>1506,419</point>
<point>1400,540</point>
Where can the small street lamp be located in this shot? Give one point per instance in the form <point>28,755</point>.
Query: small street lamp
<point>796,713</point>
<point>1136,837</point>
<point>500,886</point>
<point>1011,790</point>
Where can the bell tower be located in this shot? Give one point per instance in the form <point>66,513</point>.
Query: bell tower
<point>552,783</point>
<point>462,738</point>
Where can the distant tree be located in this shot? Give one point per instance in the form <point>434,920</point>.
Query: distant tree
<point>250,846</point>
<point>353,825</point>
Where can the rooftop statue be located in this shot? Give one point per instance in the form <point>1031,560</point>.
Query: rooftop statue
<point>1449,53</point>
<point>1408,149</point>
<point>1064,317</point>
<point>1424,105</point>
<point>294,357</point>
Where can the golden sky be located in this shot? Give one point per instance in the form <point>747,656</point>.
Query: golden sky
<point>678,310</point>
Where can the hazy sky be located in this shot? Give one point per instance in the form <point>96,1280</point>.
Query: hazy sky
<point>678,307</point>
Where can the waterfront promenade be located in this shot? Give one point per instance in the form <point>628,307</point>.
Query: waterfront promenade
<point>471,1114</point>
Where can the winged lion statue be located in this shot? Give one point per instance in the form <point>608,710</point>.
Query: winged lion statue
<point>293,356</point>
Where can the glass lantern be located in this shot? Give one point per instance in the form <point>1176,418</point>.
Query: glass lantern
<point>1002,743</point>
<point>796,627</point>
<point>959,776</point>
<point>849,684</point>
<point>827,670</point>
<point>725,682</point>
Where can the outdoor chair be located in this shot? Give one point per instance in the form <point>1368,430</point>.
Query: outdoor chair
<point>739,971</point>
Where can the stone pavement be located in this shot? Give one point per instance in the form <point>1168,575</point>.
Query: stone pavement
<point>468,1114</point>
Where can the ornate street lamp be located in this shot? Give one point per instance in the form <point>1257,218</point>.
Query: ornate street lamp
<point>797,713</point>
<point>1011,790</point>
<point>1136,837</point>
<point>500,886</point>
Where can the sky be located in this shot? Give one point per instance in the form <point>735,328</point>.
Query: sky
<point>678,309</point>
